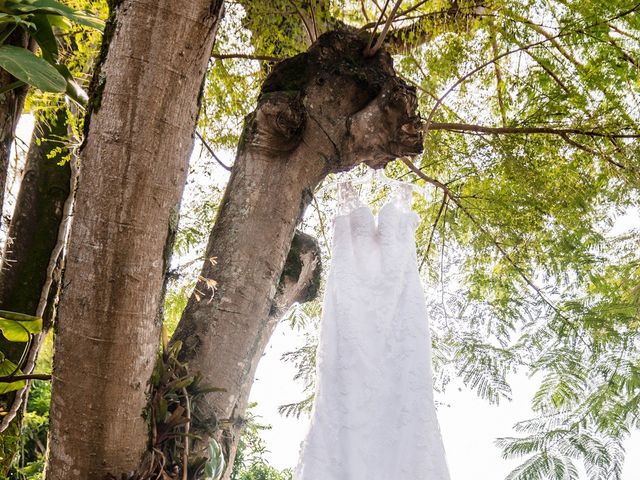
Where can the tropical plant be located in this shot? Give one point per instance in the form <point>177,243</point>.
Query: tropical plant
<point>15,327</point>
<point>40,19</point>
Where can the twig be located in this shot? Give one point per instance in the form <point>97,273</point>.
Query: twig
<point>304,21</point>
<point>622,32</point>
<point>385,30</point>
<point>499,83</point>
<point>445,200</point>
<point>185,453</point>
<point>364,10</point>
<point>465,128</point>
<point>547,69</point>
<point>248,56</point>
<point>213,154</point>
<point>473,72</point>
<point>32,376</point>
<point>322,228</point>
<point>584,148</point>
<point>312,6</point>
<point>515,50</point>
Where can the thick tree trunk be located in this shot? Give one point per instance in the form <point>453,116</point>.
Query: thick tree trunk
<point>320,112</point>
<point>133,166</point>
<point>11,105</point>
<point>32,235</point>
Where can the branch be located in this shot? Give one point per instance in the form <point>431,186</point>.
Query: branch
<point>55,261</point>
<point>385,30</point>
<point>375,25</point>
<point>445,200</point>
<point>264,58</point>
<point>17,378</point>
<point>500,88</point>
<point>309,28</point>
<point>546,68</point>
<point>469,128</point>
<point>213,154</point>
<point>424,29</point>
<point>590,151</point>
<point>300,280</point>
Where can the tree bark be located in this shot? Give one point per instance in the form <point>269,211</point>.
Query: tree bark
<point>32,236</point>
<point>145,98</point>
<point>11,105</point>
<point>323,111</point>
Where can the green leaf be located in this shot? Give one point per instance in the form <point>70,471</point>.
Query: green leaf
<point>17,327</point>
<point>51,7</point>
<point>87,20</point>
<point>6,18</point>
<point>7,368</point>
<point>29,68</point>
<point>57,8</point>
<point>215,464</point>
<point>43,33</point>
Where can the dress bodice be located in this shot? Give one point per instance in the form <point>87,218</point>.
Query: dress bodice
<point>376,250</point>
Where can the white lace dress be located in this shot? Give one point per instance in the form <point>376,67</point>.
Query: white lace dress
<point>374,416</point>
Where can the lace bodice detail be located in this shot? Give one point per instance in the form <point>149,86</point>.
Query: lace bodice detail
<point>349,200</point>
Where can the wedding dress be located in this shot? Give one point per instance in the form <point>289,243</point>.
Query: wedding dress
<point>373,416</point>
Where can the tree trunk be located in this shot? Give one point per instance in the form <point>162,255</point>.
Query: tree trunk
<point>323,111</point>
<point>32,236</point>
<point>133,166</point>
<point>11,105</point>
<point>34,225</point>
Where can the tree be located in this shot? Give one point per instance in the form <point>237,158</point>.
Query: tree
<point>34,226</point>
<point>31,263</point>
<point>118,241</point>
<point>528,139</point>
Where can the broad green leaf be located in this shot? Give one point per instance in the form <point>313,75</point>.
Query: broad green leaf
<point>58,21</point>
<point>29,68</point>
<point>87,20</point>
<point>56,8</point>
<point>43,34</point>
<point>215,464</point>
<point>17,327</point>
<point>18,317</point>
<point>7,368</point>
<point>51,7</point>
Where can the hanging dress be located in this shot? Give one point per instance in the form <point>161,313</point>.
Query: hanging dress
<point>373,416</point>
